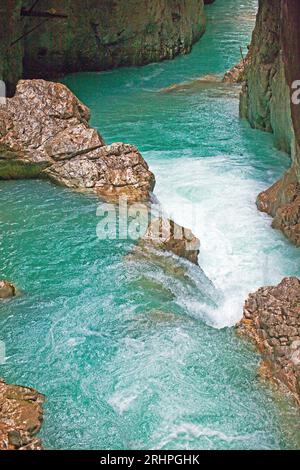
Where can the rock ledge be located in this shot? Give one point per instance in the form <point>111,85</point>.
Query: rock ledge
<point>44,132</point>
<point>272,321</point>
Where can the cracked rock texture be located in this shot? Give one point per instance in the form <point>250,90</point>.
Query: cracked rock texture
<point>265,99</point>
<point>165,234</point>
<point>21,417</point>
<point>272,321</point>
<point>44,132</point>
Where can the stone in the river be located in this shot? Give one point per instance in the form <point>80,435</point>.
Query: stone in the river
<point>21,417</point>
<point>282,202</point>
<point>165,234</point>
<point>44,132</point>
<point>237,73</point>
<point>7,290</point>
<point>203,82</point>
<point>272,321</point>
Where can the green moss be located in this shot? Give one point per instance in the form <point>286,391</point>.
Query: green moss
<point>15,169</point>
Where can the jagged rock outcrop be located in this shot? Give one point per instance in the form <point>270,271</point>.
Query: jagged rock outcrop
<point>21,417</point>
<point>282,202</point>
<point>7,290</point>
<point>272,321</point>
<point>44,132</point>
<point>96,35</point>
<point>237,74</point>
<point>266,102</point>
<point>164,234</point>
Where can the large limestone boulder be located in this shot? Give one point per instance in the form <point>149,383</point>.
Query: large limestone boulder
<point>21,417</point>
<point>7,290</point>
<point>44,132</point>
<point>272,321</point>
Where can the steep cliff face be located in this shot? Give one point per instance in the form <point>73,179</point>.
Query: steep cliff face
<point>95,35</point>
<point>265,99</point>
<point>266,102</point>
<point>11,28</point>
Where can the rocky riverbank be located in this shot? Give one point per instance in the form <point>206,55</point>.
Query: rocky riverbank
<point>44,132</point>
<point>21,417</point>
<point>271,320</point>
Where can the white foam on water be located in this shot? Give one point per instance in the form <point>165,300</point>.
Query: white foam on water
<point>240,252</point>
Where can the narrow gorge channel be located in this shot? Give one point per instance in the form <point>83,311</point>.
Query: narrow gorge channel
<point>131,354</point>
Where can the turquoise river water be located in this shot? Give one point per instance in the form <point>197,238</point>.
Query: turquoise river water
<point>129,354</point>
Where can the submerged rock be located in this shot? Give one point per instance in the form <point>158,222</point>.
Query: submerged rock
<point>165,234</point>
<point>7,290</point>
<point>206,81</point>
<point>272,321</point>
<point>21,417</point>
<point>44,132</point>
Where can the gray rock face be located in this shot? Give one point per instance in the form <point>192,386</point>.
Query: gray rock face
<point>272,321</point>
<point>274,65</point>
<point>105,34</point>
<point>11,66</point>
<point>96,35</point>
<point>265,100</point>
<point>44,132</point>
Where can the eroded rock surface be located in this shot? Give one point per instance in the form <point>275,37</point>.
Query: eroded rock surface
<point>44,132</point>
<point>267,102</point>
<point>272,321</point>
<point>106,34</point>
<point>100,35</point>
<point>165,234</point>
<point>7,290</point>
<point>237,73</point>
<point>265,99</point>
<point>21,417</point>
<point>282,202</point>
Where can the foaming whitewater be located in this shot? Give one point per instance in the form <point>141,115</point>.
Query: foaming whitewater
<point>216,196</point>
<point>135,352</point>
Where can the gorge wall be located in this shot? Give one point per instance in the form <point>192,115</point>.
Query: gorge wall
<point>94,35</point>
<point>274,64</point>
<point>265,99</point>
<point>271,316</point>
